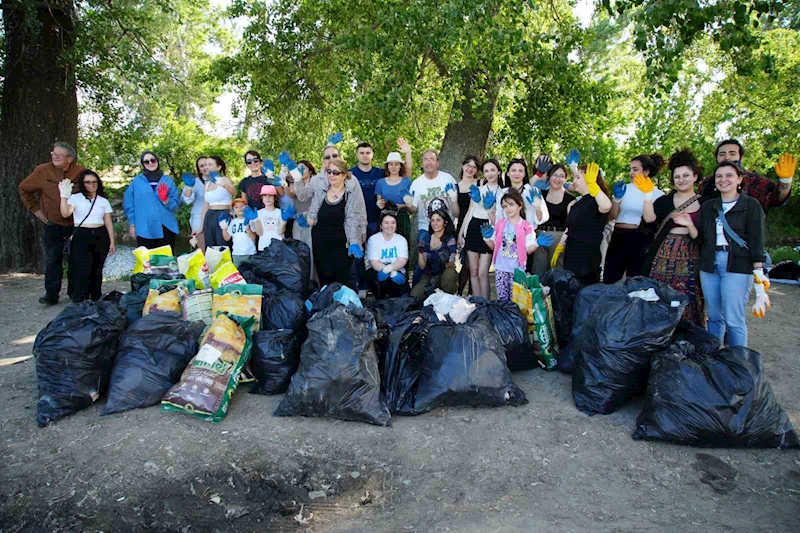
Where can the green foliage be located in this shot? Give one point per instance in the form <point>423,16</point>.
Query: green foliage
<point>784,253</point>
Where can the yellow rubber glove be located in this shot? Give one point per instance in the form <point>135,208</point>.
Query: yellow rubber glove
<point>759,277</point>
<point>761,284</point>
<point>644,184</point>
<point>559,251</point>
<point>787,163</point>
<point>591,179</point>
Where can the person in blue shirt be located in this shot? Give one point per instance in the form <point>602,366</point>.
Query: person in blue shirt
<point>393,188</point>
<point>150,202</point>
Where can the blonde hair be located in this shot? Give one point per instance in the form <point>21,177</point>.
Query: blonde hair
<point>341,165</point>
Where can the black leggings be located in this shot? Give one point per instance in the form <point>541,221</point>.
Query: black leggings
<point>87,256</point>
<point>626,254</point>
<point>167,239</point>
<point>384,289</point>
<point>333,264</point>
<point>583,260</point>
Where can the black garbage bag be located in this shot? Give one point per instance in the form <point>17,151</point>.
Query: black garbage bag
<point>284,309</point>
<point>274,360</point>
<point>153,353</point>
<point>564,288</point>
<point>404,358</point>
<point>585,301</point>
<point>322,299</point>
<point>113,296</point>
<point>461,365</point>
<point>249,274</point>
<point>132,303</point>
<point>285,264</point>
<point>613,349</point>
<point>143,280</point>
<point>717,398</point>
<point>512,327</point>
<point>338,373</point>
<point>785,270</point>
<point>74,354</point>
<point>387,313</point>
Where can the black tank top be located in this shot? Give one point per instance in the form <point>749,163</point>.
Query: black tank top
<point>585,222</point>
<point>463,206</point>
<point>558,212</point>
<point>330,227</point>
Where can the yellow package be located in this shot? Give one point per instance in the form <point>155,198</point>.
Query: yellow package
<point>142,255</point>
<point>164,295</point>
<point>226,274</point>
<point>194,266</point>
<point>216,256</point>
<point>240,300</point>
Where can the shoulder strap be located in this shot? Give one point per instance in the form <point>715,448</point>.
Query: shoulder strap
<point>678,209</point>
<point>87,214</point>
<point>729,230</point>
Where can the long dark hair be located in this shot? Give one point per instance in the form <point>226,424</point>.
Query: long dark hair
<point>652,163</point>
<point>516,161</point>
<point>101,191</point>
<point>449,229</point>
<point>223,168</point>
<point>197,167</point>
<point>684,158</point>
<point>515,196</point>
<point>466,160</point>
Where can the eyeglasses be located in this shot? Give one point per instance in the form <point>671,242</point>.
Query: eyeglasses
<point>149,161</point>
<point>332,156</point>
<point>56,154</point>
<point>473,167</point>
<point>91,182</point>
<point>335,173</point>
<point>251,161</point>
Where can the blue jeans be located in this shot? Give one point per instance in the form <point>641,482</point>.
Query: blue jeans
<point>726,295</point>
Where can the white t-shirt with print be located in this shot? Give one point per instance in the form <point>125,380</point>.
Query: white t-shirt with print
<point>270,224</point>
<point>242,243</point>
<point>82,205</point>
<point>426,191</point>
<point>721,240</point>
<point>387,252</point>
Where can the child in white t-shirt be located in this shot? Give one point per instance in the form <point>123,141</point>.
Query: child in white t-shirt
<point>239,233</point>
<point>269,224</point>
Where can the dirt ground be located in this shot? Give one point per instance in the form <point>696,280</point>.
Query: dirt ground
<point>541,467</point>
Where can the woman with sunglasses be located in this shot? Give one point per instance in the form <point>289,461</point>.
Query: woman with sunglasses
<point>219,193</point>
<point>194,187</point>
<point>250,187</point>
<point>335,222</point>
<point>150,202</point>
<point>93,236</point>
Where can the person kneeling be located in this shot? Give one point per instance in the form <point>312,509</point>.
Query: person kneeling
<point>437,255</point>
<point>387,253</point>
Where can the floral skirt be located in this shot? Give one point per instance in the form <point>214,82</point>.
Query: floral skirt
<point>677,263</point>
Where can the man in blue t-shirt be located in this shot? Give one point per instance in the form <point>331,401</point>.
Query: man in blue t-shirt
<point>367,177</point>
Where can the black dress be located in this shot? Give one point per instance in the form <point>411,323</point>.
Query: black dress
<point>330,244</point>
<point>585,224</point>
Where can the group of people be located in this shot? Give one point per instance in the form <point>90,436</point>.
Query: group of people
<point>704,238</point>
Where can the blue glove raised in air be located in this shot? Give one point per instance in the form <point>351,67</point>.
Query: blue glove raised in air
<point>489,200</point>
<point>188,179</point>
<point>225,216</point>
<point>355,251</point>
<point>250,214</point>
<point>288,213</point>
<point>383,276</point>
<point>573,157</point>
<point>269,166</point>
<point>449,188</point>
<point>475,193</point>
<point>214,176</point>
<point>487,230</point>
<point>335,138</point>
<point>398,278</point>
<point>301,220</point>
<point>545,240</point>
<point>534,194</point>
<point>284,158</point>
<point>619,190</point>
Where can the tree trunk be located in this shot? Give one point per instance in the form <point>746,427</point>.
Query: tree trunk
<point>469,125</point>
<point>39,107</point>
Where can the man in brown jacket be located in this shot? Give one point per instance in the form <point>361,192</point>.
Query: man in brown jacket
<point>39,193</point>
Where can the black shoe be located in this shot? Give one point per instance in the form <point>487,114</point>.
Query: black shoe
<point>48,301</point>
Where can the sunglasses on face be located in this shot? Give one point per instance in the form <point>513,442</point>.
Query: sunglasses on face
<point>149,161</point>
<point>335,173</point>
<point>251,161</point>
<point>333,156</point>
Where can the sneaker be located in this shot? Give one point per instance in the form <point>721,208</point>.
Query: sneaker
<point>48,301</point>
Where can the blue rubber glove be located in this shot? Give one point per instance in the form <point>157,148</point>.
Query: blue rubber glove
<point>301,220</point>
<point>543,163</point>
<point>424,244</point>
<point>534,194</point>
<point>250,214</point>
<point>449,188</point>
<point>288,213</point>
<point>573,157</point>
<point>543,185</point>
<point>335,138</point>
<point>188,179</point>
<point>383,276</point>
<point>487,230</point>
<point>545,240</point>
<point>213,175</point>
<point>475,193</point>
<point>355,251</point>
<point>226,217</point>
<point>489,200</point>
<point>398,278</point>
<point>619,190</point>
<point>284,158</point>
<point>269,166</point>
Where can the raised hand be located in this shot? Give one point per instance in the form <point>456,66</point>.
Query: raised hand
<point>543,163</point>
<point>398,278</point>
<point>249,214</point>
<point>534,196</point>
<point>573,158</point>
<point>403,145</point>
<point>546,240</point>
<point>213,176</point>
<point>224,220</point>
<point>301,220</point>
<point>489,200</point>
<point>288,213</point>
<point>355,251</point>
<point>644,184</point>
<point>618,191</point>
<point>163,193</point>
<point>592,170</point>
<point>188,179</point>
<point>450,189</point>
<point>268,168</point>
<point>284,158</point>
<point>487,230</point>
<point>475,193</point>
<point>787,164</point>
<point>65,188</point>
<point>335,138</point>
